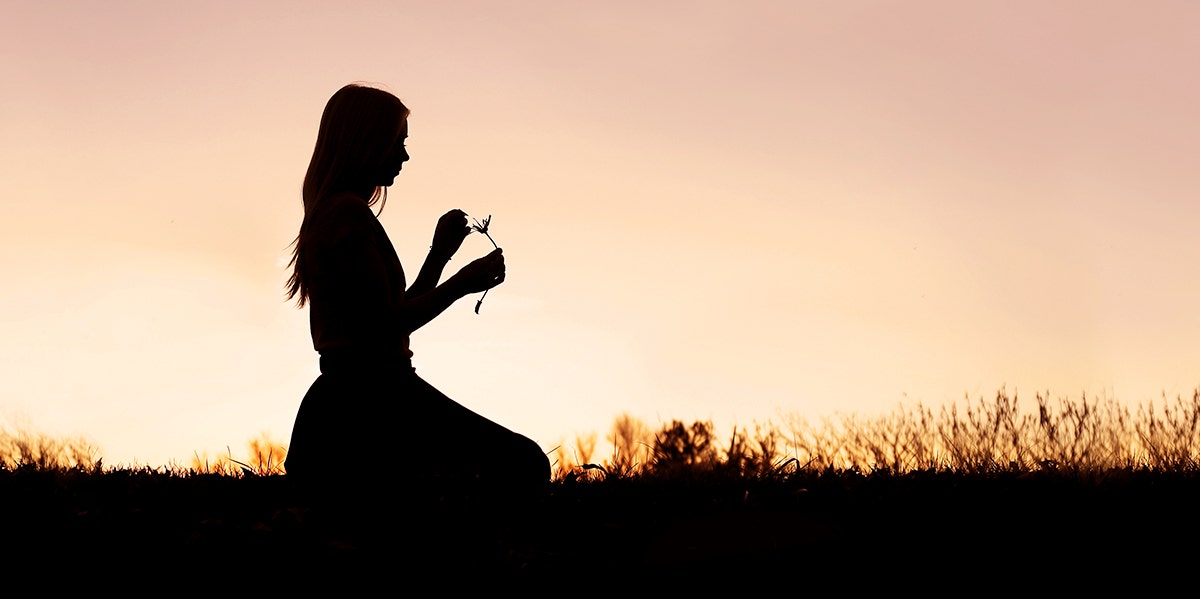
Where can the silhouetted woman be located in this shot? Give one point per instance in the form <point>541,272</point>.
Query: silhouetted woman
<point>369,424</point>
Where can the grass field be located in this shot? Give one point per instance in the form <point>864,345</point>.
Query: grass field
<point>1088,491</point>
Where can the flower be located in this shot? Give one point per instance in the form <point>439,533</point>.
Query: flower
<point>483,228</point>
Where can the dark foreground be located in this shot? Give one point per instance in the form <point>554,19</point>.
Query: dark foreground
<point>844,529</point>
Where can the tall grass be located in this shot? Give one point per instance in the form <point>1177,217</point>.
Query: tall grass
<point>265,458</point>
<point>978,437</point>
<point>24,448</point>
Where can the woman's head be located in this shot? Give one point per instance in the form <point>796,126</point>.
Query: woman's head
<point>360,144</point>
<point>360,149</point>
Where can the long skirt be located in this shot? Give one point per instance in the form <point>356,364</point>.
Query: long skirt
<point>361,432</point>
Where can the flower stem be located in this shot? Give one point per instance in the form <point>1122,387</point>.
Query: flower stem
<point>480,302</point>
<point>483,228</point>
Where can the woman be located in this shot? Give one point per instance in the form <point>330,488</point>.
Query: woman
<point>368,412</point>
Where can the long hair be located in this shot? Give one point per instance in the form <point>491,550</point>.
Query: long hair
<point>357,129</point>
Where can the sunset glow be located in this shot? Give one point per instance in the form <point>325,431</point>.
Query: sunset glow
<point>709,210</point>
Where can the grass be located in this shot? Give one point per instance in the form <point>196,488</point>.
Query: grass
<point>974,437</point>
<point>266,458</point>
<point>25,448</point>
<point>961,489</point>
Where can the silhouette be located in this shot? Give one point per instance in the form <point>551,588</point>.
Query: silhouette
<point>369,428</point>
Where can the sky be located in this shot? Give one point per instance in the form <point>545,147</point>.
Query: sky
<point>740,211</point>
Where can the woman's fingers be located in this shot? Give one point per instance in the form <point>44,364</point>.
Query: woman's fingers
<point>450,232</point>
<point>484,272</point>
<point>497,268</point>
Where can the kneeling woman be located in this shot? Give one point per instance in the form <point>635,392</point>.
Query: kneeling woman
<point>368,416</point>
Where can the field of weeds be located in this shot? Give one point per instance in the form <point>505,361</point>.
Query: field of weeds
<point>978,491</point>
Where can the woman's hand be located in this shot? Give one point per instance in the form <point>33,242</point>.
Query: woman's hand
<point>481,274</point>
<point>451,230</point>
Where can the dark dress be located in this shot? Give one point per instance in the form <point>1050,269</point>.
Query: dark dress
<point>369,422</point>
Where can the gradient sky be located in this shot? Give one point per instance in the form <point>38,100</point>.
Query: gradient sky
<point>737,211</point>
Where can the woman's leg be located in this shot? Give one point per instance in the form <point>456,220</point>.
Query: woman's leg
<point>461,443</point>
<point>354,432</point>
<point>340,436</point>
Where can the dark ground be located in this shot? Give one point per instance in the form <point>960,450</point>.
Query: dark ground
<point>839,529</point>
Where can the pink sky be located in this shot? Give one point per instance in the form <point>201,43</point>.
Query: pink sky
<point>710,210</point>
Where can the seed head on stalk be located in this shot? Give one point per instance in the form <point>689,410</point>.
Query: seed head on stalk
<point>483,228</point>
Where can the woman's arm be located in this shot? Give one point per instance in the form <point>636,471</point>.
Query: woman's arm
<point>428,277</point>
<point>355,270</point>
<point>480,275</point>
<point>447,238</point>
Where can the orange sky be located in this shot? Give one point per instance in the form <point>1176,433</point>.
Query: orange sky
<point>725,210</point>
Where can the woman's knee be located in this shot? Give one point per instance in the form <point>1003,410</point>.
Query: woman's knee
<point>534,463</point>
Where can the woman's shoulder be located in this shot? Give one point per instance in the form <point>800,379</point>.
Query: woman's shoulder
<point>340,214</point>
<point>343,204</point>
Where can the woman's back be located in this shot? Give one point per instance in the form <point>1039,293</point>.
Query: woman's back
<point>356,282</point>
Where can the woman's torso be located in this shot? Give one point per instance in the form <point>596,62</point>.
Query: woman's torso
<point>356,284</point>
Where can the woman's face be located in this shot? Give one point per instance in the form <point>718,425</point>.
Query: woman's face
<point>395,157</point>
